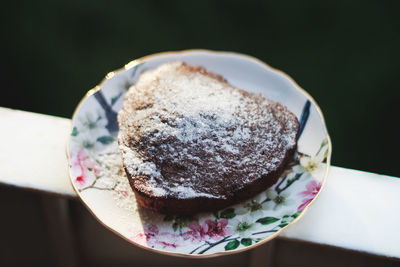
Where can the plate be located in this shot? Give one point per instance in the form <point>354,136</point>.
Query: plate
<point>97,175</point>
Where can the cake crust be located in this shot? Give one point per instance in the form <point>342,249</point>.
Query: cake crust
<point>191,142</point>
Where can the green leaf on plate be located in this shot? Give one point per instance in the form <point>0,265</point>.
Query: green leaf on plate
<point>246,241</point>
<point>114,99</point>
<point>296,215</point>
<point>88,145</point>
<point>105,140</point>
<point>267,220</point>
<point>290,181</point>
<point>326,154</point>
<point>74,132</point>
<point>324,143</point>
<point>175,226</point>
<point>283,225</point>
<point>228,213</point>
<point>232,245</point>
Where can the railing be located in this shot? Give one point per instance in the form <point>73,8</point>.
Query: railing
<point>356,210</point>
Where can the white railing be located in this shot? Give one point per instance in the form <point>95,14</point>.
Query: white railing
<point>356,210</point>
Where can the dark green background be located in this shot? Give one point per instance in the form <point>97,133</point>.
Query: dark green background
<point>344,53</point>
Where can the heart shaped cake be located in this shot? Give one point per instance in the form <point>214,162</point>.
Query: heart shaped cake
<point>191,142</point>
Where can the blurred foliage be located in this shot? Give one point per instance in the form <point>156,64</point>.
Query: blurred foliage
<point>344,53</point>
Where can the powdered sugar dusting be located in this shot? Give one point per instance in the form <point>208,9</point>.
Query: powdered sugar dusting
<point>188,192</point>
<point>184,133</point>
<point>113,178</point>
<point>113,172</point>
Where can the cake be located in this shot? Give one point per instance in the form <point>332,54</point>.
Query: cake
<point>191,142</point>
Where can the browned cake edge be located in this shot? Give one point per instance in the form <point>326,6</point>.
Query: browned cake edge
<point>170,205</point>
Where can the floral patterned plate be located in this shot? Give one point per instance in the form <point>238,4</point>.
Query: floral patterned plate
<point>98,177</point>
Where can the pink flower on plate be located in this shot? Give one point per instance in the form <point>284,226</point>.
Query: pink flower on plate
<point>210,229</point>
<point>83,168</point>
<point>158,239</point>
<point>152,230</point>
<point>217,230</point>
<point>152,237</point>
<point>165,240</point>
<point>312,190</point>
<point>196,233</point>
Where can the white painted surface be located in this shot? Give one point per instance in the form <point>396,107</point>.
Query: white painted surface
<point>33,151</point>
<point>355,210</point>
